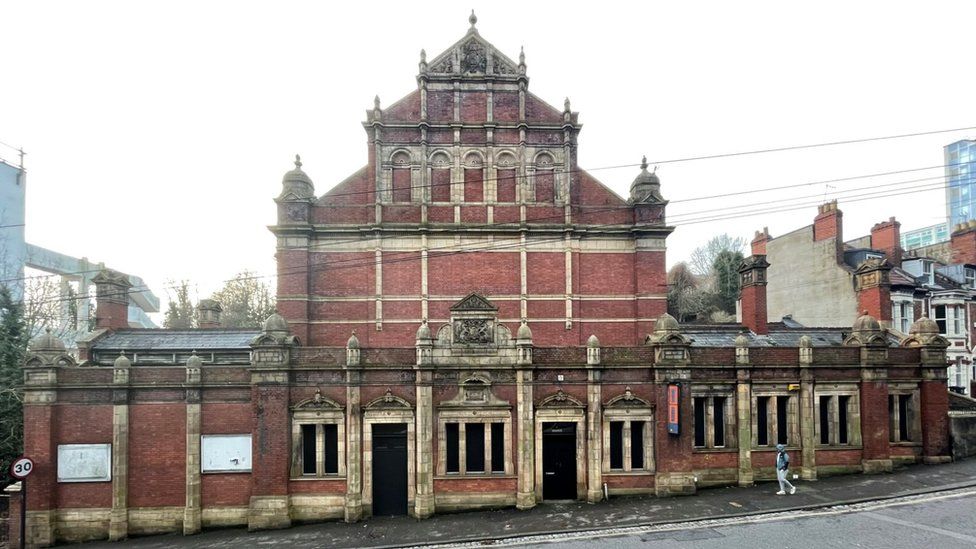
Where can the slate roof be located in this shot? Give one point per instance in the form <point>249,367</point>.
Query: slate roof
<point>199,339</point>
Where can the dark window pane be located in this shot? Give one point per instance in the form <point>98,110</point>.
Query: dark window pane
<point>718,412</point>
<point>824,420</point>
<point>762,421</point>
<point>636,444</point>
<point>903,412</point>
<point>498,447</point>
<point>474,447</point>
<point>893,435</point>
<point>782,423</point>
<point>308,450</point>
<point>451,434</point>
<point>331,448</point>
<point>699,403</point>
<point>842,402</point>
<point>616,445</point>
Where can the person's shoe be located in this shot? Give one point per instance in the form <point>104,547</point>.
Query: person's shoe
<point>781,493</point>
<point>792,490</point>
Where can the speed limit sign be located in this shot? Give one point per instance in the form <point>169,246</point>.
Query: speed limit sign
<point>21,468</point>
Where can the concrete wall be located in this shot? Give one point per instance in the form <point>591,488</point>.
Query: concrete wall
<point>801,272</point>
<point>962,430</point>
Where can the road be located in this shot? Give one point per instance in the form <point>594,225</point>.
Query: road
<point>943,520</point>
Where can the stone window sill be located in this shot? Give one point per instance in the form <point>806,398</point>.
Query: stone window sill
<point>906,443</point>
<point>619,473</point>
<point>839,447</point>
<point>313,477</point>
<point>718,450</point>
<point>469,476</point>
<point>229,472</point>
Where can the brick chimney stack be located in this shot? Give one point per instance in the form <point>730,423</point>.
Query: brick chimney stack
<point>886,237</point>
<point>752,293</point>
<point>963,243</point>
<point>874,289</point>
<point>112,297</point>
<point>208,313</point>
<point>828,223</point>
<point>759,242</point>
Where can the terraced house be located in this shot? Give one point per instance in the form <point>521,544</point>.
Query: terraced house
<point>471,320</point>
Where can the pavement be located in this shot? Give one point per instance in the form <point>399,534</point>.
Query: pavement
<point>558,517</point>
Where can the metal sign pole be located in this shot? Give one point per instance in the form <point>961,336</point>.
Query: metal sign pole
<point>23,513</point>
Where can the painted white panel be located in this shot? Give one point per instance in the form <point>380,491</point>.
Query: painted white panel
<point>225,453</point>
<point>84,462</point>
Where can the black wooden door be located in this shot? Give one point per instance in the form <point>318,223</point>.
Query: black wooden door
<point>389,469</point>
<point>559,460</point>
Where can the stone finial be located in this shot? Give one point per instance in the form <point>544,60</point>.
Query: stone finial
<point>298,161</point>
<point>524,332</point>
<point>194,361</point>
<point>296,184</point>
<point>122,361</point>
<point>592,351</point>
<point>644,163</point>
<point>522,55</point>
<point>376,103</point>
<point>423,56</point>
<point>566,107</point>
<point>46,343</point>
<point>806,350</point>
<point>352,350</point>
<point>473,19</point>
<point>646,187</point>
<point>353,341</point>
<point>424,333</point>
<point>120,372</point>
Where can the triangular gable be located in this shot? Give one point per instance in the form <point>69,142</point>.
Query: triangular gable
<point>473,302</point>
<point>473,55</point>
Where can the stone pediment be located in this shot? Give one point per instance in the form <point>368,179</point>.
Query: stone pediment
<point>474,56</point>
<point>473,303</point>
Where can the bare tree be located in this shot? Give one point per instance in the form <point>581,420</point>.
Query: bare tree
<point>702,258</point>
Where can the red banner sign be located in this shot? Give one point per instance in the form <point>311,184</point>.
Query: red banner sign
<point>674,400</point>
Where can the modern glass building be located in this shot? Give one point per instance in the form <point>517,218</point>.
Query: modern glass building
<point>960,170</point>
<point>926,236</point>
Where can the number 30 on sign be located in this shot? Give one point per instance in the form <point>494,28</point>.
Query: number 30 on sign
<point>21,468</point>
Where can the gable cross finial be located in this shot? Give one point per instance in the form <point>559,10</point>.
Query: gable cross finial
<point>473,19</point>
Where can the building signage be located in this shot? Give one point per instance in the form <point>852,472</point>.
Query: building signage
<point>674,399</point>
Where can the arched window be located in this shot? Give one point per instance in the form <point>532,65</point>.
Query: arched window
<point>505,182</point>
<point>401,177</point>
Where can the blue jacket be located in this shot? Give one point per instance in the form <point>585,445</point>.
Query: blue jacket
<point>782,460</point>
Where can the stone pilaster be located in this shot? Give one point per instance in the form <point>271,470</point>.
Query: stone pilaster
<point>424,500</point>
<point>934,394</point>
<point>808,436</point>
<point>118,527</point>
<point>525,427</point>
<point>192,512</point>
<point>594,436</point>
<point>354,446</point>
<point>743,410</point>
<point>875,426</point>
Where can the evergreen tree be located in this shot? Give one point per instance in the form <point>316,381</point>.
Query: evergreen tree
<point>246,301</point>
<point>13,346</point>
<point>725,270</point>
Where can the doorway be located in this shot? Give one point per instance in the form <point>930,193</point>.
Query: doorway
<point>559,460</point>
<point>389,469</point>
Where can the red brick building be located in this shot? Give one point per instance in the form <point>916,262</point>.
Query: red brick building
<point>469,321</point>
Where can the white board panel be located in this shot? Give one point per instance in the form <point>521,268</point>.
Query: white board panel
<point>84,462</point>
<point>225,453</point>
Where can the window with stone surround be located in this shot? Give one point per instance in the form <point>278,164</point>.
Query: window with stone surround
<point>950,318</point>
<point>628,435</point>
<point>902,312</point>
<point>905,422</point>
<point>318,439</point>
<point>775,416</point>
<point>714,416</point>
<point>837,413</point>
<point>474,432</point>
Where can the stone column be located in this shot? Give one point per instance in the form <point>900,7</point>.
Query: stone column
<point>808,436</point>
<point>354,448</point>
<point>354,435</point>
<point>424,501</point>
<point>118,527</point>
<point>192,512</point>
<point>675,475</point>
<point>743,410</point>
<point>525,427</point>
<point>594,436</point>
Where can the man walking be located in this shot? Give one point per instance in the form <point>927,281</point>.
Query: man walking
<point>782,467</point>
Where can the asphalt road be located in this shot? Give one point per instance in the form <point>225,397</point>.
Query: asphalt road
<point>942,520</point>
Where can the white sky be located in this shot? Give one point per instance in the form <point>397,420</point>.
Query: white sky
<point>157,132</point>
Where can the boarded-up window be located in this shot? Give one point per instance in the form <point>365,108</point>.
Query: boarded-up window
<point>545,186</point>
<point>401,184</point>
<point>440,184</point>
<point>506,185</point>
<point>474,190</point>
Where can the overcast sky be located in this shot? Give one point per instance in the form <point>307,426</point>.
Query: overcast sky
<point>157,132</point>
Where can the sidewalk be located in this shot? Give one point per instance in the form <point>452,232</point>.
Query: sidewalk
<point>574,516</point>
